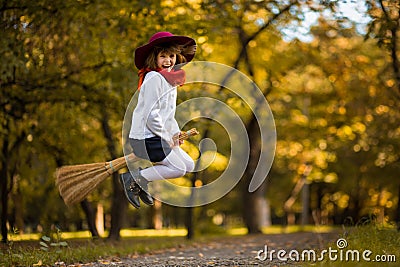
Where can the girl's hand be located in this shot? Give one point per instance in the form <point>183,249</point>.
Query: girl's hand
<point>177,140</point>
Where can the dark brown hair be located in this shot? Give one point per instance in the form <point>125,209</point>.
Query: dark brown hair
<point>151,60</point>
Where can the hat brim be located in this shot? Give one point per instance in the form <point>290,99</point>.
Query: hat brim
<point>143,51</point>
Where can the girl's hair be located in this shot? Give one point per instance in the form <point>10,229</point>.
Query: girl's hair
<point>151,60</point>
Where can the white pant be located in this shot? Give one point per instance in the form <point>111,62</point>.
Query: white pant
<point>175,165</point>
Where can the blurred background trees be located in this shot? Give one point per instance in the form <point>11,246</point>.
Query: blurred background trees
<point>67,76</point>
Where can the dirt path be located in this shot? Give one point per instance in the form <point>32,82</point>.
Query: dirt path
<point>232,251</point>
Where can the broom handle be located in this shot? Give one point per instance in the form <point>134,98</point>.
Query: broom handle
<point>186,135</point>
<point>119,163</point>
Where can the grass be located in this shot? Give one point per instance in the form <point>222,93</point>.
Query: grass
<point>49,251</point>
<point>78,247</point>
<point>365,245</point>
<point>73,247</point>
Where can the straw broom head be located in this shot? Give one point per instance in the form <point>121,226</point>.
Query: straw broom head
<point>75,182</point>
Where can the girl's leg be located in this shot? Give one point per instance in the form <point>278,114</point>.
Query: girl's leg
<point>175,165</point>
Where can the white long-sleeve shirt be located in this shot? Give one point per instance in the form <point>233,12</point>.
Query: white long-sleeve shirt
<point>155,110</point>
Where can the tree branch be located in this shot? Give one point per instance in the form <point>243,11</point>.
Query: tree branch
<point>245,41</point>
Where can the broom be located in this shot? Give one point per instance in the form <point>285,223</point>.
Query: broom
<point>75,182</point>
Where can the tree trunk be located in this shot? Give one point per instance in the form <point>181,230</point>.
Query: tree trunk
<point>251,201</point>
<point>119,203</point>
<point>251,214</point>
<point>253,210</point>
<point>189,223</point>
<point>157,217</point>
<point>395,65</point>
<point>306,204</point>
<point>119,206</point>
<point>4,203</point>
<point>156,211</point>
<point>190,210</point>
<point>18,211</point>
<point>4,191</point>
<point>355,209</point>
<point>100,219</point>
<point>90,217</point>
<point>316,206</point>
<point>398,210</point>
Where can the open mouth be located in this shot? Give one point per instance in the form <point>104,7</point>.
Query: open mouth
<point>167,67</point>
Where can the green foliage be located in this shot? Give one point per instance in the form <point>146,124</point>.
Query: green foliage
<point>10,254</point>
<point>47,243</point>
<point>328,115</point>
<point>64,63</point>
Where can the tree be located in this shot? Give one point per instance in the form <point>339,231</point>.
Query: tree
<point>385,27</point>
<point>345,129</point>
<point>248,20</point>
<point>67,75</point>
<point>48,61</point>
<point>77,56</point>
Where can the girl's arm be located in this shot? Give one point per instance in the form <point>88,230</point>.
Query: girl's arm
<point>155,119</point>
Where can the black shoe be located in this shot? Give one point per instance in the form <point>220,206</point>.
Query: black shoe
<point>146,197</point>
<point>131,189</point>
<point>144,190</point>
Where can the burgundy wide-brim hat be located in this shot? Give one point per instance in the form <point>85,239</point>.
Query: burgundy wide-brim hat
<point>143,51</point>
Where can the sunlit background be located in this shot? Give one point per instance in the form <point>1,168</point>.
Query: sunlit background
<point>328,69</point>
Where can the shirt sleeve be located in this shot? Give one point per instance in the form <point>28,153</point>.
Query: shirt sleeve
<point>175,128</point>
<point>153,94</point>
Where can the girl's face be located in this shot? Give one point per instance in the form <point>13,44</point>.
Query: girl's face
<point>166,60</point>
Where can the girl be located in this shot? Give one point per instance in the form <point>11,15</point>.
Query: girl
<point>154,127</point>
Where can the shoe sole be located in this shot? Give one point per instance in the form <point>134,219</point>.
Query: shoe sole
<point>143,199</point>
